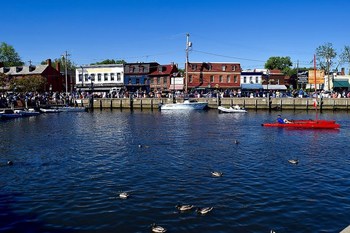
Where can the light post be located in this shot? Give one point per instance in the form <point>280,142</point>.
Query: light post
<point>92,94</point>
<point>66,69</point>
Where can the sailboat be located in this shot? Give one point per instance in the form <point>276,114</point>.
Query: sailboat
<point>308,124</point>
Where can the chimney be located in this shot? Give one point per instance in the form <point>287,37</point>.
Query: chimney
<point>48,62</point>
<point>58,67</point>
<point>342,71</point>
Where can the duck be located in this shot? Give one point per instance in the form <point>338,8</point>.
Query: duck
<point>216,174</point>
<point>184,207</point>
<point>9,162</point>
<point>124,195</point>
<point>236,142</point>
<point>204,210</point>
<point>293,161</point>
<point>158,229</point>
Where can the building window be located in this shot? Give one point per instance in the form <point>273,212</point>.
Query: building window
<point>244,79</point>
<point>250,79</point>
<point>86,77</point>
<point>233,68</point>
<point>235,79</point>
<point>211,78</point>
<point>119,77</point>
<point>105,77</point>
<point>164,80</point>
<point>152,81</point>
<point>99,76</point>
<point>223,68</point>
<point>190,78</point>
<point>228,78</point>
<point>112,76</point>
<point>141,69</point>
<point>92,77</point>
<point>158,80</point>
<point>194,66</point>
<point>220,79</point>
<point>210,67</point>
<point>80,77</point>
<point>137,81</point>
<point>256,79</point>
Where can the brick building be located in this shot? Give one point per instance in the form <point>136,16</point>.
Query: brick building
<point>217,75</point>
<point>160,79</point>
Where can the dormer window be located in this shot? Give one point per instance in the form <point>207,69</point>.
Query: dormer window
<point>160,68</point>
<point>223,68</point>
<point>19,69</point>
<point>31,68</point>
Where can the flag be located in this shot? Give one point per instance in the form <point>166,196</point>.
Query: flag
<point>315,103</point>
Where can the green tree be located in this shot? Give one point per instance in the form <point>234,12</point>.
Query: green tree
<point>9,56</point>
<point>345,56</point>
<point>109,61</point>
<point>3,80</point>
<point>31,83</point>
<point>324,56</point>
<point>280,63</point>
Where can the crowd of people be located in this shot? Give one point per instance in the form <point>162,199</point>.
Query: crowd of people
<point>12,99</point>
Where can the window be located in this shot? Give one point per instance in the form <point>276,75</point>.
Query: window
<point>80,77</point>
<point>194,66</point>
<point>158,80</point>
<point>244,79</point>
<point>164,80</point>
<point>210,67</point>
<point>141,70</point>
<point>223,68</point>
<point>86,77</point>
<point>99,77</point>
<point>250,79</point>
<point>211,78</point>
<point>228,78</point>
<point>137,81</point>
<point>235,79</point>
<point>233,68</point>
<point>119,77</point>
<point>105,77</point>
<point>112,76</point>
<point>152,81</point>
<point>256,79</point>
<point>190,78</point>
<point>92,77</point>
<point>220,79</point>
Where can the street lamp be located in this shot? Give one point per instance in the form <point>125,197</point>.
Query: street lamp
<point>82,75</point>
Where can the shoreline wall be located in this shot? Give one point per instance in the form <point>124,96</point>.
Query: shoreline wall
<point>248,103</point>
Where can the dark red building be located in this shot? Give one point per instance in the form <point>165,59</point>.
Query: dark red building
<point>218,75</point>
<point>160,79</point>
<point>53,76</point>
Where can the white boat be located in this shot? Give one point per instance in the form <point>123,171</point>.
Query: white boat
<point>186,105</point>
<point>72,109</point>
<point>27,112</point>
<point>235,109</point>
<point>50,110</point>
<point>9,114</point>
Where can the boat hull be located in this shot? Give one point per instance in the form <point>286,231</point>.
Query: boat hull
<point>306,124</point>
<point>231,110</point>
<point>185,106</point>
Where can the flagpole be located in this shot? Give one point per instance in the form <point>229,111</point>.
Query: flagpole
<point>315,86</point>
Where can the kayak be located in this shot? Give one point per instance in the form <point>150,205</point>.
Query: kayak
<point>306,124</point>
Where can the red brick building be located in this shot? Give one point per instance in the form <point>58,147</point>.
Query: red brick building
<point>160,79</point>
<point>53,76</point>
<point>218,75</point>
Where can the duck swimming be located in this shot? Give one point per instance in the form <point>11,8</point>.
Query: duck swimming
<point>216,174</point>
<point>204,210</point>
<point>293,161</point>
<point>124,195</point>
<point>184,207</point>
<point>158,229</point>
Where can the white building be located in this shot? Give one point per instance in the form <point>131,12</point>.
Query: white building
<point>99,77</point>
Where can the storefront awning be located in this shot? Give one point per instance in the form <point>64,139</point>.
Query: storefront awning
<point>341,83</point>
<point>251,86</point>
<point>275,87</point>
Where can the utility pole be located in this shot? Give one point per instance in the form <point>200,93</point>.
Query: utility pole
<point>188,46</point>
<point>65,57</point>
<point>297,74</point>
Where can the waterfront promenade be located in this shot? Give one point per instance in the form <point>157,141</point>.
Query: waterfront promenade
<point>249,103</point>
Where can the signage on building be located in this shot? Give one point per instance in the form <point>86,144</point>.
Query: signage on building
<point>319,77</point>
<point>302,77</point>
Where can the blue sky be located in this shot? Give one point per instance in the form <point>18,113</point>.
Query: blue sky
<point>244,31</point>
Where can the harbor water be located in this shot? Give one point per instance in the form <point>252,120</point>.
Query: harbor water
<point>69,168</point>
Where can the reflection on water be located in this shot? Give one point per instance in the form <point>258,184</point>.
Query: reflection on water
<point>70,168</point>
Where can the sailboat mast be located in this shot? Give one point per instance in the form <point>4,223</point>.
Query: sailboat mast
<point>315,86</point>
<point>186,65</point>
